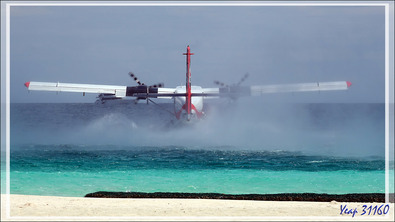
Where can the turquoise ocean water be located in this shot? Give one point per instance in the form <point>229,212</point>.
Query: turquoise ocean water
<point>75,149</point>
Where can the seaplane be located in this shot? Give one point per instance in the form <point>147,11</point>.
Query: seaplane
<point>188,99</point>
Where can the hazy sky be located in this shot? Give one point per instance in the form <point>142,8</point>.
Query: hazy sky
<point>274,44</point>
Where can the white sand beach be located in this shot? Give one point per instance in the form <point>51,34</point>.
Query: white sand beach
<point>45,208</point>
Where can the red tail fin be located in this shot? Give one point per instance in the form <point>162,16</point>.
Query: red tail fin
<point>188,83</point>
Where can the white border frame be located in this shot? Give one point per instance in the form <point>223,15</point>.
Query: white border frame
<point>5,91</point>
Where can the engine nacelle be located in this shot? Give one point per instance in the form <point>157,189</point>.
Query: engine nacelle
<point>140,91</point>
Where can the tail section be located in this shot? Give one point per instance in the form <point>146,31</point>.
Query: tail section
<point>188,98</point>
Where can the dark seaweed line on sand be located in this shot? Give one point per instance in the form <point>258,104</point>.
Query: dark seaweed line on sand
<point>355,197</point>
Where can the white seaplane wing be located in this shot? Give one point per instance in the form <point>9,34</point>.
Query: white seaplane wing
<point>300,87</point>
<point>168,93</point>
<point>236,91</point>
<point>119,91</point>
<point>106,92</point>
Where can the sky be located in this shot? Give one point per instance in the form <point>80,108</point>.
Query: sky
<point>274,44</point>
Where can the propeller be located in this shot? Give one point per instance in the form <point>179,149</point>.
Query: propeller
<point>238,84</point>
<point>220,84</point>
<point>158,85</point>
<point>243,79</point>
<point>136,79</point>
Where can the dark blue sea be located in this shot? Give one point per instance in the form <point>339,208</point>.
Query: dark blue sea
<point>237,148</point>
